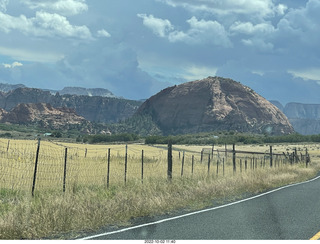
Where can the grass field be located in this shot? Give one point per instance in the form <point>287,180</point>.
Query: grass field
<point>87,165</point>
<point>88,203</point>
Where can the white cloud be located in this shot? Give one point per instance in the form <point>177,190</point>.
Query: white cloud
<point>47,24</point>
<point>43,25</point>
<point>31,55</point>
<point>258,35</point>
<point>249,28</point>
<point>301,23</point>
<point>297,29</point>
<point>258,72</point>
<point>13,65</point>
<point>63,7</point>
<point>9,23</point>
<point>306,74</point>
<point>258,8</point>
<point>160,27</point>
<point>200,31</point>
<point>103,33</point>
<point>281,9</point>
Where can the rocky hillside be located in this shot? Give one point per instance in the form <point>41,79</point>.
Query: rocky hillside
<point>213,104</point>
<point>305,118</point>
<point>43,115</point>
<point>92,108</point>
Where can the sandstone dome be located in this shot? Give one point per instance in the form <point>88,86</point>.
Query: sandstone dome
<point>214,104</point>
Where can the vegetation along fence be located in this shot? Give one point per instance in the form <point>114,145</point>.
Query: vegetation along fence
<point>42,165</point>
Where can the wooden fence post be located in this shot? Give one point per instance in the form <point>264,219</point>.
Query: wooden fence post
<point>125,165</point>
<point>35,168</point>
<point>307,158</point>
<point>192,164</point>
<point>223,166</point>
<point>65,169</point>
<point>271,159</point>
<point>8,145</point>
<point>169,171</point>
<point>245,164</point>
<point>234,157</point>
<point>296,158</point>
<point>142,166</point>
<point>217,167</point>
<point>208,164</point>
<point>182,164</point>
<point>108,172</point>
<point>225,151</point>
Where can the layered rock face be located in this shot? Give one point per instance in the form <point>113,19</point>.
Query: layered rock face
<point>43,114</point>
<point>214,104</point>
<point>92,108</point>
<point>305,118</point>
<point>302,111</point>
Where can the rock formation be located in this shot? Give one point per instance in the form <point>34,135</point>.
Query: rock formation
<point>92,108</point>
<point>305,118</point>
<point>214,104</point>
<point>42,114</point>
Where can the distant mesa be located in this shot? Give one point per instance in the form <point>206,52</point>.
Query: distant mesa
<point>70,90</point>
<point>96,107</point>
<point>42,114</point>
<point>214,104</point>
<point>304,117</point>
<point>80,91</point>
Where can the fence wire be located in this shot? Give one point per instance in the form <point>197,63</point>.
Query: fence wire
<point>62,166</point>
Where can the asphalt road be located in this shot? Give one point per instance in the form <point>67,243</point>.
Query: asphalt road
<point>287,213</point>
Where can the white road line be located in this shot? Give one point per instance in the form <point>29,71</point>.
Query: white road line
<point>193,213</point>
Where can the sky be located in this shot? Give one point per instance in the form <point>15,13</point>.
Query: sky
<point>135,48</point>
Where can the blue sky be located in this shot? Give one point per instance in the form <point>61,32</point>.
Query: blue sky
<point>136,48</point>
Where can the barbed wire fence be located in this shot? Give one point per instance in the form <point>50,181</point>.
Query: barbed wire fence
<point>46,165</point>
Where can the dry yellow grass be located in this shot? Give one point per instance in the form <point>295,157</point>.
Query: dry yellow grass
<point>88,204</point>
<point>88,164</point>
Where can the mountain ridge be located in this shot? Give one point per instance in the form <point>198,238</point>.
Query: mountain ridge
<point>104,108</point>
<point>71,90</point>
<point>92,108</point>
